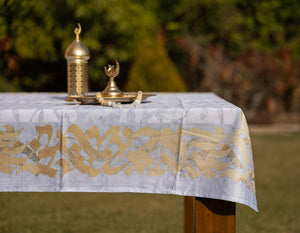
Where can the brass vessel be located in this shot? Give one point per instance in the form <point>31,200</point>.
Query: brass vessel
<point>77,55</point>
<point>112,89</point>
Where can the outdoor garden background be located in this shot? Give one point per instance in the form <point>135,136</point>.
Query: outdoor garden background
<point>247,52</point>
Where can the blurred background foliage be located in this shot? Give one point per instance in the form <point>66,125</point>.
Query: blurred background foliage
<point>248,52</point>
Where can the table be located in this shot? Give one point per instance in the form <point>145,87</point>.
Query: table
<point>189,144</point>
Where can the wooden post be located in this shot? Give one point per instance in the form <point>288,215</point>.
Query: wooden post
<point>209,216</point>
<point>189,214</point>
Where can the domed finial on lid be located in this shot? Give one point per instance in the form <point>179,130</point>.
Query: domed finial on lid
<point>77,50</point>
<point>77,31</point>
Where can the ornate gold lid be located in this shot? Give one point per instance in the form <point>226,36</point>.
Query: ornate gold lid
<point>112,89</point>
<point>77,50</point>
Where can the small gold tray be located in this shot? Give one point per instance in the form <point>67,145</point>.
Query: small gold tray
<point>125,98</point>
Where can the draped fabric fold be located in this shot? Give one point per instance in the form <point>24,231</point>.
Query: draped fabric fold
<point>185,144</point>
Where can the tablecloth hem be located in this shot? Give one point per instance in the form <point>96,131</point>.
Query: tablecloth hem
<point>239,200</point>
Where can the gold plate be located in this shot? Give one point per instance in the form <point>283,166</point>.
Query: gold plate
<point>125,98</point>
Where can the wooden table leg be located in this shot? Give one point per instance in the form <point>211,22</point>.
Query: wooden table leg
<point>189,214</point>
<point>204,215</point>
<point>214,216</point>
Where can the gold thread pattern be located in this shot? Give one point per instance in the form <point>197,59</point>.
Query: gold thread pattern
<point>194,152</point>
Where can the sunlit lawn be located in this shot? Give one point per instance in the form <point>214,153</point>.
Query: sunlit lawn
<point>89,212</point>
<point>277,167</point>
<point>277,170</point>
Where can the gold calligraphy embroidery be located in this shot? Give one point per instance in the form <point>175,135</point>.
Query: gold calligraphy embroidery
<point>194,152</point>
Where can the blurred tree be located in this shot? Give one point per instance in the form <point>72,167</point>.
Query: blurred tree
<point>272,24</point>
<point>40,31</point>
<point>153,70</point>
<point>245,51</point>
<point>240,25</point>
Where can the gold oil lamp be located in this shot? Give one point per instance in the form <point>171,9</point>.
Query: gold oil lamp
<point>77,55</point>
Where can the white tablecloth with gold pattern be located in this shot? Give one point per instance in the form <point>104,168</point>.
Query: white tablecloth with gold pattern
<point>192,144</point>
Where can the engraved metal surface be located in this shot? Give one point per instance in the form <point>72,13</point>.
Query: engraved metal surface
<point>77,78</point>
<point>125,98</point>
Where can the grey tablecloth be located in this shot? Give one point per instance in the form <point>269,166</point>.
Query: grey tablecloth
<point>178,143</point>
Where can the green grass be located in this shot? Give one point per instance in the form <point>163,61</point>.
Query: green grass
<point>277,169</point>
<point>90,212</point>
<point>277,175</point>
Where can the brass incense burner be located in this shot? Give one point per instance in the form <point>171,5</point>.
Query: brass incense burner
<point>77,55</point>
